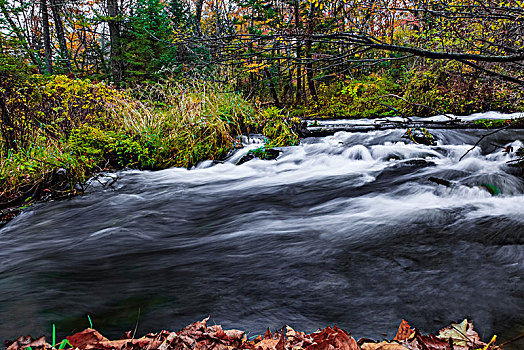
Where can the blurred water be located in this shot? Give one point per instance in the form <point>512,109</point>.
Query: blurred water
<point>345,229</point>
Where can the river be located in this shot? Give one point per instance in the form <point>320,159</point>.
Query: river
<point>344,229</point>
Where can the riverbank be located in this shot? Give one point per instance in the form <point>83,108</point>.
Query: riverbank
<point>430,89</point>
<point>199,335</point>
<point>64,131</point>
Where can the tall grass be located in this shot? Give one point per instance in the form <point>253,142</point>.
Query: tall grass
<point>150,127</point>
<point>185,123</point>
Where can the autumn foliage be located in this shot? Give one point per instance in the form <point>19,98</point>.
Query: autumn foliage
<point>200,336</point>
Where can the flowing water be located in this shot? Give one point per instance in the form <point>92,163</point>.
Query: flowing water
<point>345,229</point>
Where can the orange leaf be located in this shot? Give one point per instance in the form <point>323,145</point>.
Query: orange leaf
<point>404,331</point>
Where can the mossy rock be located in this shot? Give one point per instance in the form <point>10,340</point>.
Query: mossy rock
<point>260,153</point>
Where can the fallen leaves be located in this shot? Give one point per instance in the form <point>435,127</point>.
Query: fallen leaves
<point>462,334</point>
<point>382,346</point>
<point>404,331</point>
<point>199,336</point>
<point>86,337</point>
<point>27,341</point>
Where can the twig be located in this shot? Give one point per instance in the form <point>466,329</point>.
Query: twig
<point>136,326</point>
<point>510,341</point>
<point>482,138</point>
<point>490,72</point>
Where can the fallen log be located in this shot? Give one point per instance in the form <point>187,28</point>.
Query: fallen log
<point>328,129</point>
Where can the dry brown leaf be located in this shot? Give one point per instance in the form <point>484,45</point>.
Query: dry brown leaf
<point>268,334</point>
<point>462,334</point>
<point>426,342</point>
<point>167,342</point>
<point>27,341</point>
<point>382,346</point>
<point>404,331</point>
<point>234,334</point>
<point>333,338</point>
<point>267,344</point>
<point>141,343</point>
<point>87,337</point>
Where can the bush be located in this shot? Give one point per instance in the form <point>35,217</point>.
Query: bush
<point>457,89</point>
<point>443,87</point>
<point>99,149</point>
<point>364,97</point>
<point>54,104</point>
<point>185,123</point>
<point>278,128</point>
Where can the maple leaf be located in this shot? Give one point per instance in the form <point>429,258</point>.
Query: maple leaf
<point>462,334</point>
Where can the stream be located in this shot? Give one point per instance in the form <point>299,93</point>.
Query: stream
<point>345,230</point>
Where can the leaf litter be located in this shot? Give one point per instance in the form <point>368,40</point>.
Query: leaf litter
<point>200,336</point>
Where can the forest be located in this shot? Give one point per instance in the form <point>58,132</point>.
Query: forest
<point>93,88</point>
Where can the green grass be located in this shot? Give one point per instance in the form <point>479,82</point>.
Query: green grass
<point>151,127</point>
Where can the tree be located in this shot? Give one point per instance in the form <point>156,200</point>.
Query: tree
<point>59,27</point>
<point>339,36</point>
<point>10,14</point>
<point>114,35</point>
<point>47,37</point>
<point>148,41</point>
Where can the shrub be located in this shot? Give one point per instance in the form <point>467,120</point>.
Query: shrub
<point>54,104</point>
<point>363,97</point>
<point>278,129</point>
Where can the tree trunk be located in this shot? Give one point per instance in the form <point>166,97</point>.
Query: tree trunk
<point>47,37</point>
<point>7,127</point>
<point>309,62</point>
<point>60,34</point>
<point>114,36</point>
<point>271,86</point>
<point>309,72</point>
<point>298,52</point>
<point>198,17</point>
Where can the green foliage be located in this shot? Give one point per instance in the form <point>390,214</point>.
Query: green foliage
<point>263,153</point>
<point>420,135</point>
<point>439,88</point>
<point>11,65</point>
<point>277,128</point>
<point>62,344</point>
<point>98,148</point>
<point>187,123</point>
<point>492,123</point>
<point>54,104</point>
<point>149,43</point>
<point>364,97</point>
<point>453,88</point>
<point>161,126</point>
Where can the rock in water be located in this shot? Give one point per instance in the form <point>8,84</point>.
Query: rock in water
<point>260,153</point>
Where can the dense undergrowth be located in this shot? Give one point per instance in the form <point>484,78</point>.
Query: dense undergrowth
<point>401,91</point>
<point>60,131</point>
